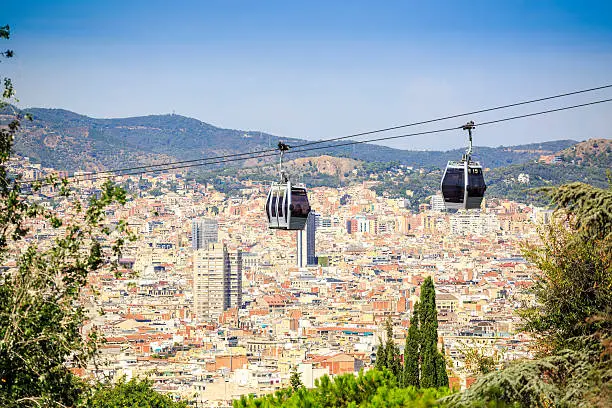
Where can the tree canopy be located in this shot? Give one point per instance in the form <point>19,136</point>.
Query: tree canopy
<point>133,393</point>
<point>571,318</point>
<point>42,286</point>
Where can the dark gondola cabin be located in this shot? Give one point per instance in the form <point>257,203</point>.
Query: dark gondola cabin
<point>463,185</point>
<point>287,207</point>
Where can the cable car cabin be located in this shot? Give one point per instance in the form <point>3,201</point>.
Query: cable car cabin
<point>463,185</point>
<point>287,207</point>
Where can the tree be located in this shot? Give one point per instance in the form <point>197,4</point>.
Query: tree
<point>133,393</point>
<point>388,355</point>
<point>296,380</point>
<point>42,309</point>
<point>392,352</point>
<point>571,319</point>
<point>372,389</point>
<point>381,356</point>
<point>412,351</point>
<point>433,365</point>
<point>575,260</point>
<point>477,362</point>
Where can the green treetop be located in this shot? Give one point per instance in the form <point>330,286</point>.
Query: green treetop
<point>412,351</point>
<point>433,366</point>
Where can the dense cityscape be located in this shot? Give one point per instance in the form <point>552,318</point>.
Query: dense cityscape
<point>305,204</point>
<point>212,305</point>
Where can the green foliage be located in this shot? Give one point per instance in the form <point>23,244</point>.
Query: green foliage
<point>295,380</point>
<point>41,307</point>
<point>388,355</point>
<point>412,352</point>
<point>478,363</point>
<point>133,393</point>
<point>433,366</point>
<point>424,366</point>
<point>392,353</point>
<point>574,285</point>
<point>381,356</point>
<point>563,380</point>
<point>576,268</point>
<point>572,316</point>
<point>589,207</point>
<point>370,389</point>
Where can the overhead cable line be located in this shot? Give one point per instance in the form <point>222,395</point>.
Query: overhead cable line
<point>355,142</point>
<point>511,105</point>
<point>382,130</point>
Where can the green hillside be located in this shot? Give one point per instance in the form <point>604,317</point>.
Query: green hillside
<point>66,140</point>
<point>397,180</point>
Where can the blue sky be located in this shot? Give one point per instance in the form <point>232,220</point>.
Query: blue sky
<point>318,69</point>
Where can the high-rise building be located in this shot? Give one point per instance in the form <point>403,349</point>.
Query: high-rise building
<point>217,280</point>
<point>306,243</point>
<point>234,280</point>
<point>203,232</point>
<point>469,223</point>
<point>209,281</point>
<point>437,203</point>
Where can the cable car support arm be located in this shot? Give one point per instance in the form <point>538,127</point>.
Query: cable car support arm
<point>469,126</point>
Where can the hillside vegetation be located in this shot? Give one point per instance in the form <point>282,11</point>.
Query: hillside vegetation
<point>396,180</point>
<point>594,152</point>
<point>66,140</point>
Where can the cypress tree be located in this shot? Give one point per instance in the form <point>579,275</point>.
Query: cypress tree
<point>442,376</point>
<point>387,355</point>
<point>433,365</point>
<point>381,356</point>
<point>392,352</point>
<point>412,352</point>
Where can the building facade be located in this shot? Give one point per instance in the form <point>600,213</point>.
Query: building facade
<point>217,281</point>
<point>306,243</point>
<point>234,280</point>
<point>203,232</point>
<point>437,203</point>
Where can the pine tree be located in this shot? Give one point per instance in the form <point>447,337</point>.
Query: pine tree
<point>571,319</point>
<point>412,351</point>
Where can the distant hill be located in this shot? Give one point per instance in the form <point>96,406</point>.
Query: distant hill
<point>594,152</point>
<point>66,140</point>
<point>586,161</point>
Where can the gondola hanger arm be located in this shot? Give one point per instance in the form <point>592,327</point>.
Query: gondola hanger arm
<point>282,148</point>
<point>469,127</point>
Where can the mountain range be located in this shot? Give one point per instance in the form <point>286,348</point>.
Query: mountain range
<point>69,141</point>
